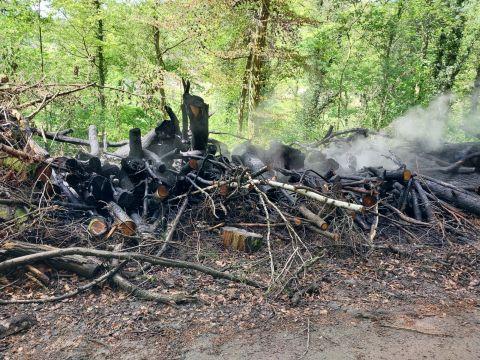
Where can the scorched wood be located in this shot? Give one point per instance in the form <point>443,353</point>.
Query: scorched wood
<point>86,267</point>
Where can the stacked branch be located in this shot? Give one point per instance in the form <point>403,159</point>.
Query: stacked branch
<point>146,189</point>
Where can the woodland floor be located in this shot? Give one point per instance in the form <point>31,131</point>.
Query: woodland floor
<point>387,307</point>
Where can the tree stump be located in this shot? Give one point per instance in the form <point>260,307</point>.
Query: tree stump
<point>241,240</point>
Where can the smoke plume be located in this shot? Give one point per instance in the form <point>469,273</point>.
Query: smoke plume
<point>419,129</point>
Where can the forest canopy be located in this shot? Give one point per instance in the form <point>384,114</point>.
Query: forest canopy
<point>268,68</point>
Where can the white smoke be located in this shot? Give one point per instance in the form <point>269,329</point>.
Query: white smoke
<point>418,129</point>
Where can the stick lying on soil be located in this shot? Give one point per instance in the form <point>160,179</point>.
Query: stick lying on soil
<point>155,260</point>
<point>70,294</point>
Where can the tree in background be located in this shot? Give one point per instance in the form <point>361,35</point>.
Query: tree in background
<point>269,68</point>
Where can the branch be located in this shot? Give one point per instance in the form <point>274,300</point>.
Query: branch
<point>51,97</point>
<point>174,46</point>
<point>69,294</point>
<point>155,260</point>
<point>56,136</point>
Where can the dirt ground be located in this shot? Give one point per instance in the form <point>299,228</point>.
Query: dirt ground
<point>346,337</point>
<point>139,330</point>
<point>386,308</point>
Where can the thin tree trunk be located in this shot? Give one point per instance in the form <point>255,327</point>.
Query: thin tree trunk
<point>244,94</point>
<point>259,59</point>
<point>40,38</point>
<point>378,123</point>
<point>475,92</point>
<point>161,65</point>
<point>101,68</point>
<point>254,76</point>
<point>448,62</point>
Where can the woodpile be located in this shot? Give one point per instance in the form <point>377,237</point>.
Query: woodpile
<point>143,189</point>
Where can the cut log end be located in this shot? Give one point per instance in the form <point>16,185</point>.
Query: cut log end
<point>162,192</point>
<point>223,190</point>
<point>127,228</point>
<point>97,227</point>
<point>241,240</point>
<point>369,201</point>
<point>193,164</point>
<point>407,175</point>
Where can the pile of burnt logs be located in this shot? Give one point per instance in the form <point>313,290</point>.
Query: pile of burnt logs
<point>131,189</point>
<point>125,189</point>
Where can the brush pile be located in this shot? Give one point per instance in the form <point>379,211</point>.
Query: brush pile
<point>113,216</point>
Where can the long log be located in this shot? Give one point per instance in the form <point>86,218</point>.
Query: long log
<point>314,218</point>
<point>461,200</point>
<point>47,255</point>
<point>308,193</point>
<point>60,137</point>
<point>320,198</point>
<point>86,267</point>
<point>424,203</point>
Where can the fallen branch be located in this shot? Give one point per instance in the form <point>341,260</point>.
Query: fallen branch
<point>173,226</point>
<point>143,294</point>
<point>155,260</point>
<point>70,294</point>
<point>320,198</point>
<point>59,137</point>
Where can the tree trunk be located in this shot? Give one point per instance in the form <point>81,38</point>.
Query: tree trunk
<point>161,65</point>
<point>254,76</point>
<point>40,38</point>
<point>197,111</point>
<point>386,67</point>
<point>100,58</point>
<point>475,92</point>
<point>448,62</point>
<point>244,93</point>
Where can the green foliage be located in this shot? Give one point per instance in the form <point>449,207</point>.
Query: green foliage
<point>341,63</point>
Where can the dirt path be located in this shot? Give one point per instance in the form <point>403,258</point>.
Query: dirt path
<point>99,327</point>
<point>446,337</point>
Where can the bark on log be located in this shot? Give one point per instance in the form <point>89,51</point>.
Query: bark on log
<point>16,324</point>
<point>135,142</point>
<point>314,218</point>
<point>93,141</point>
<point>147,140</point>
<point>123,222</point>
<point>186,90</point>
<point>415,205</point>
<point>157,162</point>
<point>148,295</point>
<point>123,198</point>
<point>197,111</point>
<point>398,175</point>
<point>86,267</point>
<point>424,203</point>
<point>173,119</point>
<point>110,170</point>
<point>461,200</point>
